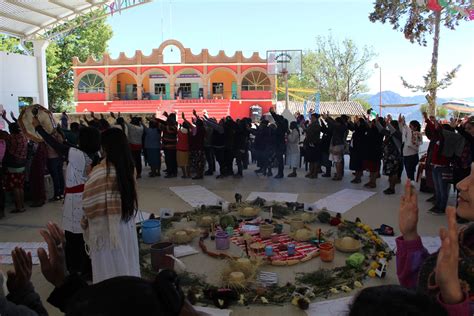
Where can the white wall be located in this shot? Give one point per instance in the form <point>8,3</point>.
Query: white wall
<point>18,78</point>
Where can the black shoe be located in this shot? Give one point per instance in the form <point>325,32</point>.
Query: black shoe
<point>259,171</point>
<point>270,174</point>
<point>435,211</point>
<point>221,176</point>
<point>389,191</point>
<point>208,173</point>
<point>326,175</point>
<point>37,204</point>
<point>431,199</point>
<point>356,180</point>
<point>279,176</point>
<point>197,177</point>
<point>170,176</point>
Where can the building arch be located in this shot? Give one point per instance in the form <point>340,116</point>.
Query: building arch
<point>89,72</point>
<point>120,92</point>
<point>171,42</point>
<point>223,83</point>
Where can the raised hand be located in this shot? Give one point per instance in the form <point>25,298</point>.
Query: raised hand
<point>92,114</point>
<point>4,114</point>
<point>425,116</point>
<point>408,214</point>
<point>23,264</point>
<point>112,115</point>
<point>53,266</point>
<point>194,112</point>
<point>448,260</point>
<point>182,115</point>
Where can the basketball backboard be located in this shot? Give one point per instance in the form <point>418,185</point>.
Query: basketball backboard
<point>281,61</point>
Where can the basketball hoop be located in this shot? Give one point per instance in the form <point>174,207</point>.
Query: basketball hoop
<point>284,62</point>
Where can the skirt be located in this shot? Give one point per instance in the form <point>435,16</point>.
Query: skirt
<point>336,153</point>
<point>153,156</point>
<point>371,165</point>
<point>312,154</point>
<point>14,180</point>
<point>198,160</point>
<point>293,159</point>
<point>182,158</point>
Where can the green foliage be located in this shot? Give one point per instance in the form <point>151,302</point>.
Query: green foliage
<point>77,38</point>
<point>10,44</point>
<point>365,104</point>
<point>338,70</point>
<point>84,36</point>
<point>441,111</point>
<point>418,21</point>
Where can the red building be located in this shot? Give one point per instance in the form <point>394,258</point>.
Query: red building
<point>220,84</point>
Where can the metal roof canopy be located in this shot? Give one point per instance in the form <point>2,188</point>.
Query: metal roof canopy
<point>31,19</point>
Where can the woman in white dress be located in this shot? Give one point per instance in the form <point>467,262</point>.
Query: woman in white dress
<point>110,203</point>
<point>293,148</point>
<point>79,163</point>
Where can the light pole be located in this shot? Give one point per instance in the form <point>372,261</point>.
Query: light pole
<point>380,92</point>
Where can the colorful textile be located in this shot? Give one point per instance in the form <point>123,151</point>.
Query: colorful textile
<point>14,180</point>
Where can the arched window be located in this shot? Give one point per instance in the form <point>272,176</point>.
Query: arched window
<point>256,80</point>
<point>91,83</point>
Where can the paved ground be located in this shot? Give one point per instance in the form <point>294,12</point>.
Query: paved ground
<point>154,193</point>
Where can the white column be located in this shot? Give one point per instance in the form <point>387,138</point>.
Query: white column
<point>39,48</point>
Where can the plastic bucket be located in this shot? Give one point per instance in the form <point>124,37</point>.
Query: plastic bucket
<point>159,258</point>
<point>151,231</point>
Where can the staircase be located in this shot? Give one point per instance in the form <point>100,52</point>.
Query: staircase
<point>215,108</point>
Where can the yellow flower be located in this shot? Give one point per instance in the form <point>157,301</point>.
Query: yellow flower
<point>371,273</point>
<point>295,300</point>
<point>345,288</point>
<point>242,299</point>
<point>333,290</point>
<point>359,224</point>
<point>357,284</point>
<point>381,254</point>
<point>373,238</point>
<point>369,233</point>
<point>374,265</point>
<point>366,228</point>
<point>264,300</point>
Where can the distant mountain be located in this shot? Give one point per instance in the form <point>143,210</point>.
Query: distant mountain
<point>390,97</point>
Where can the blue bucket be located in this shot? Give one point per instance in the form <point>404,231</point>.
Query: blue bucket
<point>151,231</point>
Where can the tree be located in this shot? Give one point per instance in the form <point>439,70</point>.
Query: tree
<point>441,111</point>
<point>419,22</point>
<point>365,104</point>
<point>77,38</point>
<point>10,44</point>
<point>84,36</point>
<point>337,70</point>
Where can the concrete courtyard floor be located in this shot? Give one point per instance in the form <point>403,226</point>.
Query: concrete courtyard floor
<point>154,193</point>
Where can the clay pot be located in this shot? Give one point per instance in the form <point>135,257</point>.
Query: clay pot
<point>296,223</point>
<point>266,231</point>
<point>326,252</point>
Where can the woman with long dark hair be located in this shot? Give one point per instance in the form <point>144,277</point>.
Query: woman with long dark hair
<point>110,203</point>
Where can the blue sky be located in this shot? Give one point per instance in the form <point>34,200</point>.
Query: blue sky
<point>261,25</point>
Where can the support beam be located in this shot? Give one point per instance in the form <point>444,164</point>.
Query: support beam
<point>39,47</point>
<point>30,8</point>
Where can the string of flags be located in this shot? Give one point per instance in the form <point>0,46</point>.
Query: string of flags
<point>466,10</point>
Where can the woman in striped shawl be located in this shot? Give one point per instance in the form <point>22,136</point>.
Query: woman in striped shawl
<point>110,203</point>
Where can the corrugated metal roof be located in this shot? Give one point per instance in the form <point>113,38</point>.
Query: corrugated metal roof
<point>32,18</point>
<point>335,108</point>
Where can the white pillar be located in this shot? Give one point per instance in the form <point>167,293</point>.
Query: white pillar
<point>39,48</point>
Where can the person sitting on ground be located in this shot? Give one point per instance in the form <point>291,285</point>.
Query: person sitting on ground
<point>22,299</point>
<point>447,273</point>
<point>119,296</point>
<point>394,300</point>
